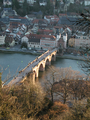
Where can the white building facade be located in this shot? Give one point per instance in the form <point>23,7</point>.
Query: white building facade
<point>7,2</point>
<point>2,40</point>
<point>48,43</point>
<point>65,40</point>
<point>24,39</point>
<point>87,2</point>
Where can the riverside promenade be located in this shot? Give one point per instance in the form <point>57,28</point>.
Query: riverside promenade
<point>69,56</point>
<point>18,50</point>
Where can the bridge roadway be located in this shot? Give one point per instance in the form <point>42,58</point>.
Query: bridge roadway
<point>29,67</point>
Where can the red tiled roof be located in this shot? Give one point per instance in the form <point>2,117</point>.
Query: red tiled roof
<point>39,36</point>
<point>10,35</point>
<point>18,33</point>
<point>49,31</point>
<point>37,20</point>
<point>62,14</point>
<point>52,16</point>
<point>17,17</point>
<point>58,27</point>
<point>22,17</point>
<point>69,28</point>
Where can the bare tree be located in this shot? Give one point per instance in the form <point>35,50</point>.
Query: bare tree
<point>23,100</point>
<point>83,23</point>
<point>49,82</point>
<point>59,83</point>
<point>66,74</point>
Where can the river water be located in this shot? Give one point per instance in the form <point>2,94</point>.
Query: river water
<point>12,63</point>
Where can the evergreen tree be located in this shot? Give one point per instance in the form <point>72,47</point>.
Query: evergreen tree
<point>25,7</point>
<point>15,5</point>
<point>1,1</point>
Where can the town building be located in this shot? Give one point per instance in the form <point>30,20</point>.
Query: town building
<point>9,40</point>
<point>31,2</point>
<point>21,1</point>
<point>65,40</point>
<point>2,39</point>
<point>58,29</point>
<point>71,1</point>
<point>43,2</point>
<point>7,2</point>
<point>2,26</point>
<point>16,27</point>
<point>40,41</point>
<point>51,18</point>
<point>34,41</point>
<point>82,41</point>
<point>8,12</point>
<point>86,2</point>
<point>48,42</point>
<point>79,42</point>
<point>31,17</point>
<point>22,20</point>
<point>53,2</point>
<point>71,42</point>
<point>45,32</point>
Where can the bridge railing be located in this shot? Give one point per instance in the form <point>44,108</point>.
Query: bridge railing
<point>38,57</point>
<point>43,54</point>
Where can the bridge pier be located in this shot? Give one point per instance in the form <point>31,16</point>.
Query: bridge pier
<point>36,73</point>
<point>48,62</point>
<point>54,58</point>
<point>31,77</point>
<point>42,68</point>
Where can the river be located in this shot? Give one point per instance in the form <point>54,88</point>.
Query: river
<point>12,63</point>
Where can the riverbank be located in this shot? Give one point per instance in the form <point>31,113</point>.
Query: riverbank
<point>68,56</point>
<point>20,51</point>
<point>65,56</point>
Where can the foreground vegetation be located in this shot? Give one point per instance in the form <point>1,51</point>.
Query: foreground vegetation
<point>27,101</point>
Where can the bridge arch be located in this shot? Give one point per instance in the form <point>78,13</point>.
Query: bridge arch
<point>41,67</point>
<point>53,58</point>
<point>48,61</point>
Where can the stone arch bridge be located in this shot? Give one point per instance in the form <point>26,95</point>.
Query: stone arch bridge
<point>35,66</point>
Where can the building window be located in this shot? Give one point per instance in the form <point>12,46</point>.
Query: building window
<point>47,44</point>
<point>84,37</point>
